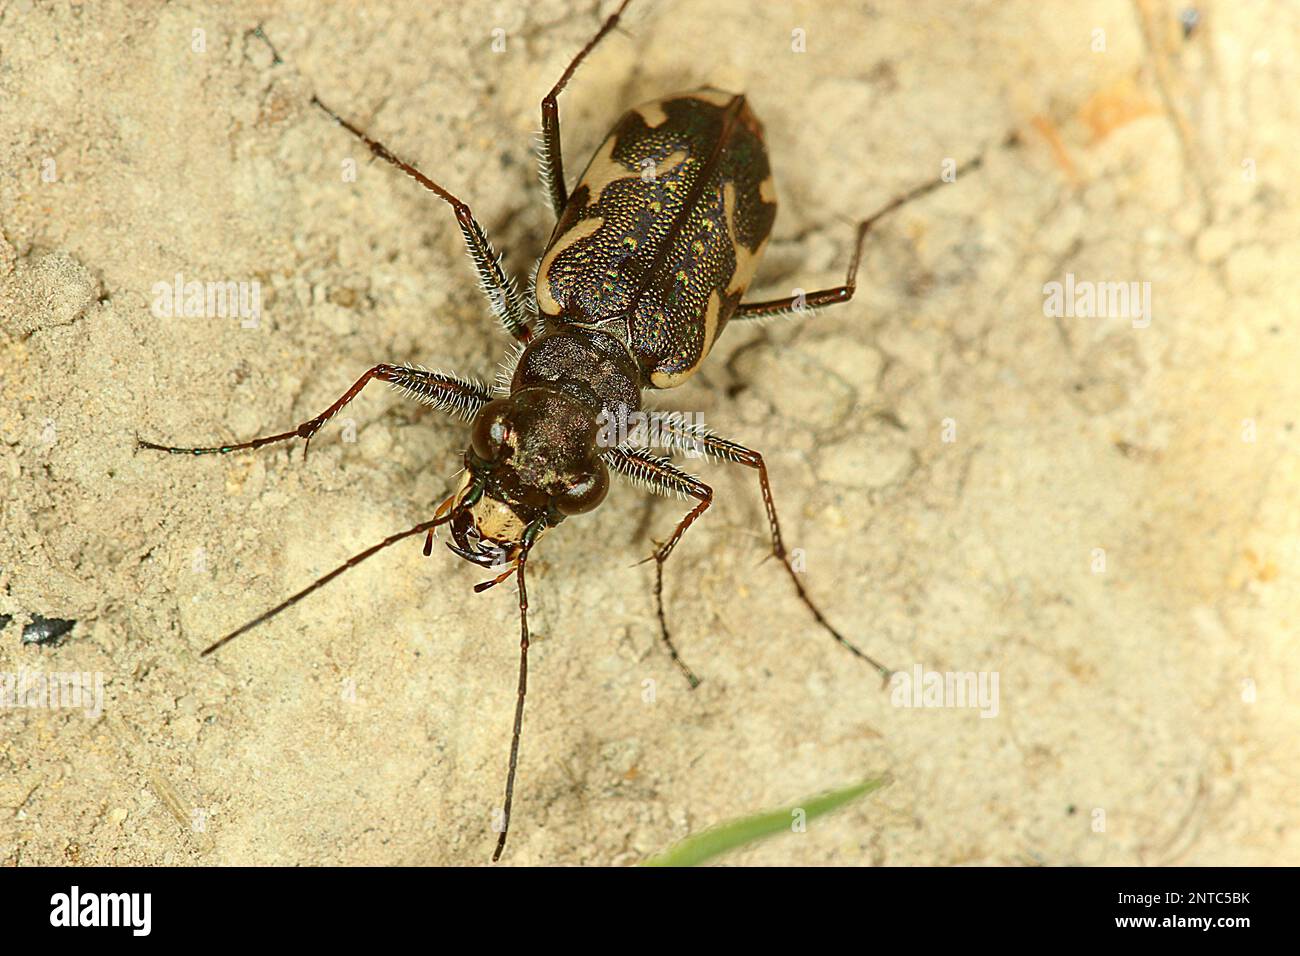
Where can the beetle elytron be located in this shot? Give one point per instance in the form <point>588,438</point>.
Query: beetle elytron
<point>641,274</point>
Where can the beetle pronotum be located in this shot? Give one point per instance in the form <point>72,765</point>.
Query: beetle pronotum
<point>639,278</point>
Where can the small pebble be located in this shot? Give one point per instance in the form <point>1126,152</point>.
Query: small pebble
<point>46,630</point>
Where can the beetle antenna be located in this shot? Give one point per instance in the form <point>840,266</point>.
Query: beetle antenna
<point>320,582</point>
<point>529,536</point>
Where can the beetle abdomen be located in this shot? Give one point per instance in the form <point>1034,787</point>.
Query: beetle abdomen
<point>662,233</point>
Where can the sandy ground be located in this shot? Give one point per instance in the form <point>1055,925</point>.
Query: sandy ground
<point>1103,513</point>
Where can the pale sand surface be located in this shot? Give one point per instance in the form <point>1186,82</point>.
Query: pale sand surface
<point>1159,690</point>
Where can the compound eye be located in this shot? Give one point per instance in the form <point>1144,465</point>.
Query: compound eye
<point>586,492</point>
<point>491,432</point>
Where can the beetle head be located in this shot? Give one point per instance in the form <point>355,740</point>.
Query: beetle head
<point>531,463</point>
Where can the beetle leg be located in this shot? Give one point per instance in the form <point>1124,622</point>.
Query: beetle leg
<point>685,436</point>
<point>500,288</point>
<point>550,159</point>
<point>448,393</point>
<point>807,301</point>
<point>662,477</point>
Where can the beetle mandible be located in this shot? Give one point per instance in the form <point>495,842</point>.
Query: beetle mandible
<point>650,258</point>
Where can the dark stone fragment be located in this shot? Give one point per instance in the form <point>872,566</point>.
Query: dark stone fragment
<point>46,630</point>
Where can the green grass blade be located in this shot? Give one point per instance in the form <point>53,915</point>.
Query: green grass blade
<point>717,840</point>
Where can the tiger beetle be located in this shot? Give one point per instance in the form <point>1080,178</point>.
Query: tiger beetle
<point>642,272</point>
